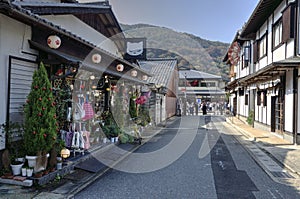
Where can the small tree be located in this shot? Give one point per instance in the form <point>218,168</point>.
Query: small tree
<point>40,127</point>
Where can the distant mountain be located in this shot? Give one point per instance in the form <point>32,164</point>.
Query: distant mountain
<point>190,50</point>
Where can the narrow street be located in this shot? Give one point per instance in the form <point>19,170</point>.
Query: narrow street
<point>207,162</point>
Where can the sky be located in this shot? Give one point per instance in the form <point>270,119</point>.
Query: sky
<point>215,20</point>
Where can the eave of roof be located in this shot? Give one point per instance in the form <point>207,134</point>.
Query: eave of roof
<point>101,9</point>
<point>271,71</point>
<point>27,17</point>
<point>72,8</point>
<point>260,14</point>
<point>83,65</point>
<point>195,74</point>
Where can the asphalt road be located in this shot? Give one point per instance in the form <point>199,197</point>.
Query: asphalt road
<point>189,159</point>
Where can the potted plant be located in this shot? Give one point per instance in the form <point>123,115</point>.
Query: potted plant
<point>13,155</point>
<point>55,153</point>
<point>16,166</point>
<point>40,125</point>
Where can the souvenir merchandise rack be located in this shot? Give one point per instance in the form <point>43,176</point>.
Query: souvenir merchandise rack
<point>76,98</point>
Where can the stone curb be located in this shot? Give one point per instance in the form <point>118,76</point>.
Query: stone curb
<point>285,164</point>
<point>96,176</point>
<point>101,149</point>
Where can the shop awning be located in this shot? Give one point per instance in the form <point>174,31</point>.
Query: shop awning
<point>64,58</point>
<point>68,59</point>
<point>233,84</point>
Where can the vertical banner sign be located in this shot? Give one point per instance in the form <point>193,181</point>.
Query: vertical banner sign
<point>234,53</point>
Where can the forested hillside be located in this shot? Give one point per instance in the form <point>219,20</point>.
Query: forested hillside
<point>190,50</point>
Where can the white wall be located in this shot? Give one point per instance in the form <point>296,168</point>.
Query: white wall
<point>268,111</point>
<point>81,29</point>
<point>298,118</point>
<point>289,106</point>
<point>290,48</point>
<point>14,38</point>
<point>279,53</point>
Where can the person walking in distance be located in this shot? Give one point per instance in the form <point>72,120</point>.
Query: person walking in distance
<point>204,108</point>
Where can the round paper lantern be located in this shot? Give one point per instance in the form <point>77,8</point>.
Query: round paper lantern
<point>120,67</point>
<point>96,58</point>
<point>144,77</point>
<point>54,41</point>
<point>133,73</point>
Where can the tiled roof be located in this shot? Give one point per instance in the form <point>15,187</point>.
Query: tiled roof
<point>162,70</point>
<point>195,74</point>
<point>63,5</point>
<point>24,14</point>
<point>263,10</point>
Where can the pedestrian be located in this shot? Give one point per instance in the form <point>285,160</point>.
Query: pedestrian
<point>204,108</point>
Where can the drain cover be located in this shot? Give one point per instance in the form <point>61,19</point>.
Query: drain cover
<point>281,174</point>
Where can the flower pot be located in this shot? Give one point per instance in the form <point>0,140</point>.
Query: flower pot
<point>31,160</point>
<point>38,163</point>
<point>59,166</point>
<point>16,169</point>
<point>29,172</point>
<point>116,139</point>
<point>24,172</point>
<point>41,163</point>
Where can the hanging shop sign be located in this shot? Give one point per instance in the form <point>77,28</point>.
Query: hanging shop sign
<point>234,53</point>
<point>135,48</point>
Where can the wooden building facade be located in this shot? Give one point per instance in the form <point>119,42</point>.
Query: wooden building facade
<point>264,62</point>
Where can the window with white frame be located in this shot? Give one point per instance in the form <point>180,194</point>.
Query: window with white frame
<point>277,33</point>
<point>263,46</point>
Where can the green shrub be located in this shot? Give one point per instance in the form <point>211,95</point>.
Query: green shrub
<point>250,118</point>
